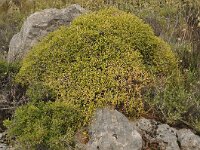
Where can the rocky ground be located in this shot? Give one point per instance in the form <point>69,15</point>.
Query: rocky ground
<point>112,130</point>
<point>3,142</point>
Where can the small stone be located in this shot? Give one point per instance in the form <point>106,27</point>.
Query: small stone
<point>111,130</point>
<point>3,146</point>
<point>146,125</point>
<point>167,138</point>
<point>188,140</point>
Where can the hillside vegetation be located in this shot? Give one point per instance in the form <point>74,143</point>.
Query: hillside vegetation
<point>177,22</point>
<point>109,57</point>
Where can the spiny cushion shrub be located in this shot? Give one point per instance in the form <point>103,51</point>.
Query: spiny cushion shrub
<point>41,125</point>
<point>104,58</point>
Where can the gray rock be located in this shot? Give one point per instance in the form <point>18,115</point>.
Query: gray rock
<point>3,146</point>
<point>155,134</point>
<point>111,130</point>
<point>146,128</point>
<point>37,26</point>
<point>15,48</point>
<point>4,143</point>
<point>188,140</point>
<point>145,125</point>
<point>80,146</point>
<point>167,137</point>
<point>1,136</point>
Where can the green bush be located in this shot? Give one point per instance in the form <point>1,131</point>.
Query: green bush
<point>7,72</point>
<point>39,92</point>
<point>103,58</point>
<point>177,102</point>
<point>3,70</point>
<point>91,63</point>
<point>42,125</point>
<point>9,25</point>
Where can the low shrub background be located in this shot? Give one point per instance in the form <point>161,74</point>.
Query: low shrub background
<point>150,81</point>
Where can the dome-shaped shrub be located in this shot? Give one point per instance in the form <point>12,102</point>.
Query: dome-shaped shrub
<point>104,58</point>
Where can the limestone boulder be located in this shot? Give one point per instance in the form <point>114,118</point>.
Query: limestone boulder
<point>111,130</point>
<point>39,25</point>
<point>166,136</point>
<point>156,135</point>
<point>188,140</point>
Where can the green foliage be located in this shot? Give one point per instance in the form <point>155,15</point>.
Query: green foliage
<point>103,58</point>
<point>9,25</point>
<point>39,92</point>
<point>7,71</point>
<point>3,70</point>
<point>178,101</point>
<point>7,89</point>
<point>113,58</point>
<point>171,19</point>
<point>40,125</point>
<point>91,64</point>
